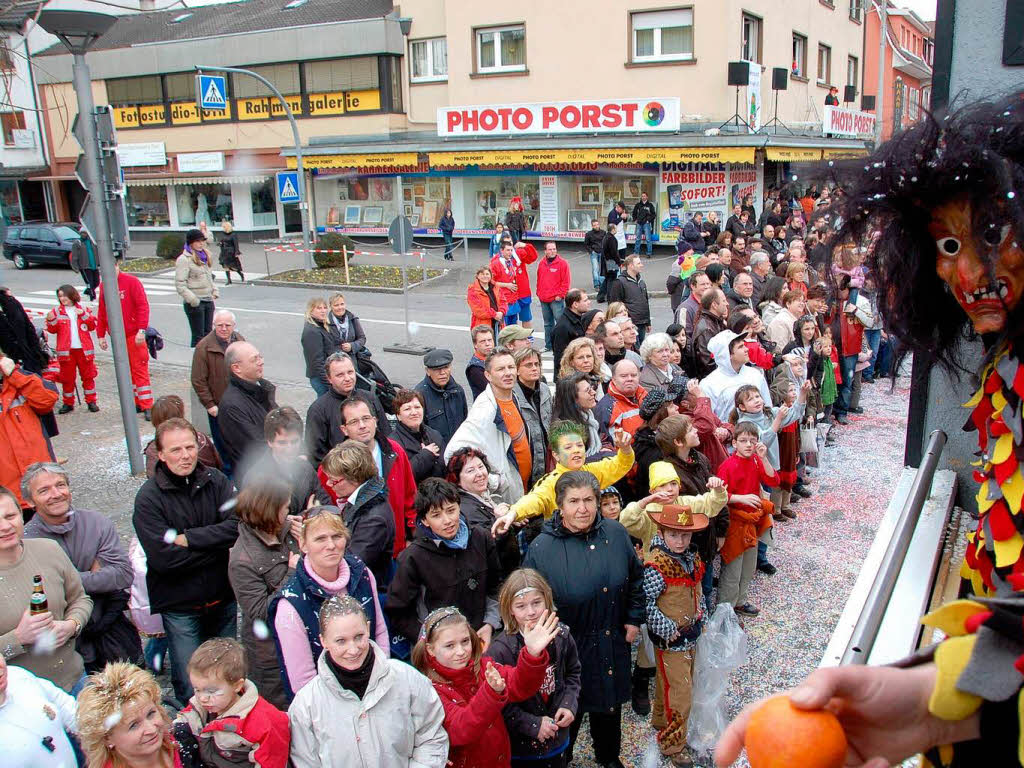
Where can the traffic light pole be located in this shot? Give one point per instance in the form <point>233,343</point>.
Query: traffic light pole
<point>105,256</point>
<point>303,198</point>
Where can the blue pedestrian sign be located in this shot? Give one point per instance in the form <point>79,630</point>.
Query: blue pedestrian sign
<point>211,92</point>
<point>288,187</point>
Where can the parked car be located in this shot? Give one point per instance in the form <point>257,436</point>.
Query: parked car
<point>40,242</point>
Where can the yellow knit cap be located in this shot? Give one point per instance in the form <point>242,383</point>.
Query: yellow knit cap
<point>661,472</point>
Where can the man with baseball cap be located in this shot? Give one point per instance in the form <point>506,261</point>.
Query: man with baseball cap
<point>444,398</point>
<point>515,337</point>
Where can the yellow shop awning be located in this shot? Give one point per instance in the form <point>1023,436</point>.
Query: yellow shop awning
<point>604,156</point>
<point>387,161</point>
<point>792,154</point>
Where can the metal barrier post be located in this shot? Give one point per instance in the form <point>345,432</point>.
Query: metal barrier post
<point>465,248</point>
<point>266,258</point>
<point>344,260</point>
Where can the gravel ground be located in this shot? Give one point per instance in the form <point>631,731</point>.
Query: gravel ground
<point>818,555</point>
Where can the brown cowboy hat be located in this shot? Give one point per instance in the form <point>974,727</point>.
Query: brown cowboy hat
<point>679,518</point>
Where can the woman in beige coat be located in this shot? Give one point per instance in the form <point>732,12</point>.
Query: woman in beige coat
<point>193,279</point>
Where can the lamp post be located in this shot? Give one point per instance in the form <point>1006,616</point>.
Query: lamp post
<point>883,34</point>
<point>78,31</point>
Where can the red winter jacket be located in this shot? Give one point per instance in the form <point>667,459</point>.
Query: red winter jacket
<point>480,305</point>
<point>401,485</point>
<point>23,399</point>
<point>706,422</point>
<point>526,254</point>
<point>472,710</point>
<point>553,279</point>
<point>759,356</point>
<point>134,306</point>
<point>499,274</point>
<point>58,322</point>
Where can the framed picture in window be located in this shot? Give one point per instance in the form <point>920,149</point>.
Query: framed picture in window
<point>383,189</point>
<point>407,210</point>
<point>632,189</point>
<point>437,189</point>
<point>415,219</point>
<point>407,194</point>
<point>358,190</point>
<point>352,213</point>
<point>373,214</point>
<point>431,213</point>
<point>508,188</point>
<point>590,193</point>
<point>579,219</point>
<point>343,190</point>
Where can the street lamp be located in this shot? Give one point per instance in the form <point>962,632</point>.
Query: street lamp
<point>79,31</point>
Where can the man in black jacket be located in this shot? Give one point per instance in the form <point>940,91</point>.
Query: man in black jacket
<point>692,233</point>
<point>245,403</point>
<point>644,215</point>
<point>610,261</point>
<point>570,324</point>
<point>630,289</point>
<point>593,242</point>
<point>445,399</point>
<point>323,419</point>
<point>186,528</point>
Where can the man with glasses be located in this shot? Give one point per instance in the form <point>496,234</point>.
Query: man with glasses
<point>210,374</point>
<point>323,418</point>
<point>359,423</point>
<point>245,403</point>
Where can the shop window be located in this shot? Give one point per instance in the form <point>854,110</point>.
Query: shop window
<point>10,203</point>
<point>11,121</point>
<point>751,43</point>
<point>852,69</point>
<point>203,202</point>
<point>799,55</point>
<point>135,90</point>
<point>264,209</point>
<point>663,35</point>
<point>824,64</point>
<point>147,206</point>
<point>501,49</point>
<point>368,201</point>
<point>429,60</point>
<point>334,75</point>
<point>181,86</point>
<point>285,78</point>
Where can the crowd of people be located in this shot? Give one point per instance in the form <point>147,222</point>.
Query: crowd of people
<point>414,575</point>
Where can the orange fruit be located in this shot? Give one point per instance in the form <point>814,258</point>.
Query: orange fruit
<point>781,736</point>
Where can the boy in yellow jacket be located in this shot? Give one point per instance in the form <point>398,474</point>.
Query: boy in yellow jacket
<point>568,442</point>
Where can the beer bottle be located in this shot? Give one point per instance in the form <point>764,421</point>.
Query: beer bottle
<point>38,603</point>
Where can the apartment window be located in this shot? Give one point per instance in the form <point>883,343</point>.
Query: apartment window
<point>428,59</point>
<point>852,67</point>
<point>6,62</point>
<point>663,35</point>
<point>855,10</point>
<point>358,74</point>
<point>11,121</point>
<point>913,101</point>
<point>824,64</point>
<point>180,87</point>
<point>136,90</point>
<point>799,55</point>
<point>751,50</point>
<point>501,49</point>
<point>285,78</point>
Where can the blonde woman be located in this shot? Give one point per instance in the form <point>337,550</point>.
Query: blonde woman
<point>581,357</point>
<point>318,343</point>
<point>617,312</point>
<point>230,252</point>
<point>193,279</point>
<point>122,723</point>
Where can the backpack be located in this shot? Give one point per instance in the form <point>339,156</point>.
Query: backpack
<point>379,383</point>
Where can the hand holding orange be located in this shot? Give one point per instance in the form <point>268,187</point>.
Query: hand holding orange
<point>780,736</point>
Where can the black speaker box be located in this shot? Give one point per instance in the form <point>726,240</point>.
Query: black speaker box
<point>867,103</point>
<point>780,78</point>
<point>850,93</point>
<point>739,73</point>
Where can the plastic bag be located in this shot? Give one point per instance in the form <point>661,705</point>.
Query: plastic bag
<point>721,649</point>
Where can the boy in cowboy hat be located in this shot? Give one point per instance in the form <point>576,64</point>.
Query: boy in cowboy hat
<point>675,616</point>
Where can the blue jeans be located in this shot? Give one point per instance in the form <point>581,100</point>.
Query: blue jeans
<point>646,232</point>
<point>187,630</point>
<point>708,582</point>
<point>595,270</point>
<point>552,310</point>
<point>847,367</point>
<point>874,339</point>
<point>78,686</point>
<point>319,386</point>
<point>762,553</point>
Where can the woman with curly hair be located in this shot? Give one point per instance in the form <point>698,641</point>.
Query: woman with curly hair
<point>580,357</point>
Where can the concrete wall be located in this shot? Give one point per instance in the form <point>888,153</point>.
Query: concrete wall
<point>977,68</point>
<point>581,49</point>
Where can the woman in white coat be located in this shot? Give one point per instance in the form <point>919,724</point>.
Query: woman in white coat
<point>364,710</point>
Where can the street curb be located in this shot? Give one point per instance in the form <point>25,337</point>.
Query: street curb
<point>148,274</point>
<point>343,287</point>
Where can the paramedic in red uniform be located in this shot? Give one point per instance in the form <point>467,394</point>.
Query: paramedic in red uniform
<point>73,325</point>
<point>135,310</point>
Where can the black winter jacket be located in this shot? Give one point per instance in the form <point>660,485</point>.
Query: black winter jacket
<point>323,423</point>
<point>693,481</point>
<point>609,253</point>
<point>446,408</point>
<point>644,213</point>
<point>353,335</point>
<point>568,327</point>
<point>593,240</point>
<point>633,293</point>
<point>240,414</point>
<point>318,343</point>
<point>182,578</point>
<point>432,575</point>
<point>424,463</point>
<point>372,525</point>
<point>691,234</point>
<point>562,689</point>
<point>515,220</point>
<point>597,581</point>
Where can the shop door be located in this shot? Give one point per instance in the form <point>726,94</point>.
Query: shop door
<point>74,194</point>
<point>292,219</point>
<point>33,201</point>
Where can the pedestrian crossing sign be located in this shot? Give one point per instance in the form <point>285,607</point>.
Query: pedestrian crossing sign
<point>211,91</point>
<point>288,187</point>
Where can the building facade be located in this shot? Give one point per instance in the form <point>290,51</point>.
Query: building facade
<point>907,68</point>
<point>415,109</point>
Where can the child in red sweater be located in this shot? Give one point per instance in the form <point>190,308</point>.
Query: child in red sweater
<point>750,516</point>
<point>473,691</point>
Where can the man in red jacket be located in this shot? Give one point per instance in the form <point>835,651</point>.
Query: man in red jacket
<point>524,254</point>
<point>135,312</point>
<point>553,282</point>
<point>359,423</point>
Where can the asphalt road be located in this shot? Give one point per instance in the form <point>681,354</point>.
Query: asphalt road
<point>272,316</point>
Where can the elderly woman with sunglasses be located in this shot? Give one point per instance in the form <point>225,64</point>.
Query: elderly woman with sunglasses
<point>325,569</point>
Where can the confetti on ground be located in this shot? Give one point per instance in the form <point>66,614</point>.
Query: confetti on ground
<point>818,557</point>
